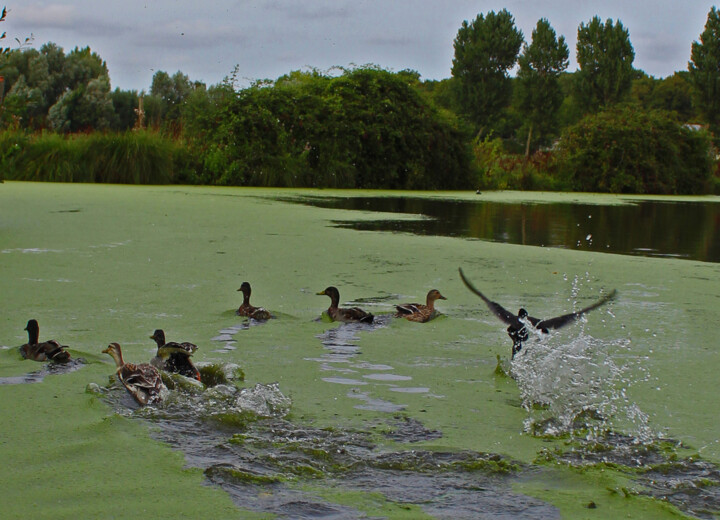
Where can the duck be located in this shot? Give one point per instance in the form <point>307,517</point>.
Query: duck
<point>347,314</point>
<point>419,312</point>
<point>143,382</point>
<point>174,357</point>
<point>256,313</point>
<point>49,350</point>
<point>518,323</point>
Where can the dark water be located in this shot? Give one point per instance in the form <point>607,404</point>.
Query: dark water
<point>689,230</point>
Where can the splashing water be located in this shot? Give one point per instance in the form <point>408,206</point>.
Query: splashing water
<point>579,385</point>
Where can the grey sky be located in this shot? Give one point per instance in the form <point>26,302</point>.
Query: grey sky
<point>205,40</point>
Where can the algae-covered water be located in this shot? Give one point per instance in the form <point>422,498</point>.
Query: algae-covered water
<point>616,415</point>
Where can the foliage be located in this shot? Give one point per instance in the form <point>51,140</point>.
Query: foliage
<point>605,57</point>
<point>500,170</point>
<point>625,150</point>
<point>485,50</point>
<point>366,128</point>
<point>46,88</point>
<point>131,157</point>
<point>704,70</point>
<point>541,64</point>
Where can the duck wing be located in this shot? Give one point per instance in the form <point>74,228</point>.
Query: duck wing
<point>566,319</point>
<point>46,351</point>
<point>172,347</point>
<point>261,314</point>
<point>408,308</point>
<point>351,314</point>
<point>142,381</point>
<point>497,309</point>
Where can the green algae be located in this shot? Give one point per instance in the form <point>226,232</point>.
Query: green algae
<point>96,264</point>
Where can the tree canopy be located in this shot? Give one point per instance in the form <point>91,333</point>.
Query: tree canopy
<point>485,50</point>
<point>605,57</point>
<point>541,64</point>
<point>704,67</point>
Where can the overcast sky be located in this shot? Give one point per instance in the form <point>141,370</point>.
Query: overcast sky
<point>267,39</point>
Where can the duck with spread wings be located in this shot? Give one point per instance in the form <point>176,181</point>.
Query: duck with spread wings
<point>517,324</point>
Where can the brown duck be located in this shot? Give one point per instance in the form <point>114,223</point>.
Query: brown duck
<point>348,314</point>
<point>256,313</point>
<point>143,381</point>
<point>174,357</point>
<point>417,311</point>
<point>49,350</point>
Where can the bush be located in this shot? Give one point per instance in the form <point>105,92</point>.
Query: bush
<point>367,128</point>
<point>501,170</point>
<point>624,150</point>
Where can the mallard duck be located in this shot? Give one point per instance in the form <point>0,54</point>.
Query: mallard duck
<point>348,314</point>
<point>256,313</point>
<point>419,312</point>
<point>174,357</point>
<point>49,350</point>
<point>142,381</point>
<point>517,329</point>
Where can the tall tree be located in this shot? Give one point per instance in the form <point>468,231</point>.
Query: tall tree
<point>485,50</point>
<point>704,69</point>
<point>541,64</point>
<point>605,56</point>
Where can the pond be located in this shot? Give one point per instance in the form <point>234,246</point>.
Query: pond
<point>615,415</point>
<point>669,228</point>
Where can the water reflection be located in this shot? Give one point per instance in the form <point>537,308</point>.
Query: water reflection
<point>689,230</point>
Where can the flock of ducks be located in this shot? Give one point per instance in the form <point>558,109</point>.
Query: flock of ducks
<point>144,382</point>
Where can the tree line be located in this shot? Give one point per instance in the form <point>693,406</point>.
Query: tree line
<point>605,127</point>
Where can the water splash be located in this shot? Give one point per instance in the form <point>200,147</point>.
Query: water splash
<point>580,386</point>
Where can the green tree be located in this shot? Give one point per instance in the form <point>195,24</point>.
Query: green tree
<point>485,50</point>
<point>87,107</point>
<point>541,64</point>
<point>605,57</point>
<point>704,67</point>
<point>170,94</point>
<point>125,102</point>
<point>674,93</point>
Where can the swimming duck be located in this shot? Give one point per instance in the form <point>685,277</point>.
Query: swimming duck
<point>517,324</point>
<point>419,312</point>
<point>49,350</point>
<point>174,357</point>
<point>142,381</point>
<point>348,314</point>
<point>256,313</point>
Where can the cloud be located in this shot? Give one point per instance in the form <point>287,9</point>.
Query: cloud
<point>53,16</point>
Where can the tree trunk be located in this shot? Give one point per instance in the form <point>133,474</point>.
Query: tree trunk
<point>527,145</point>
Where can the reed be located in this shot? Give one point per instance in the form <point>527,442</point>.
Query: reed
<point>122,158</point>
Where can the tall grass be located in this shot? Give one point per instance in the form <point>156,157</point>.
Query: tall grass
<point>123,158</point>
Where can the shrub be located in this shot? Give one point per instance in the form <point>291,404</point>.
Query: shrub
<point>624,150</point>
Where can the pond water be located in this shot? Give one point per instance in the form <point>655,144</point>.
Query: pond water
<point>674,229</point>
<point>615,415</point>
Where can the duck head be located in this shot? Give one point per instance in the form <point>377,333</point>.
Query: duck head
<point>33,330</point>
<point>159,337</point>
<point>333,293</point>
<point>522,314</point>
<point>113,349</point>
<point>434,295</point>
